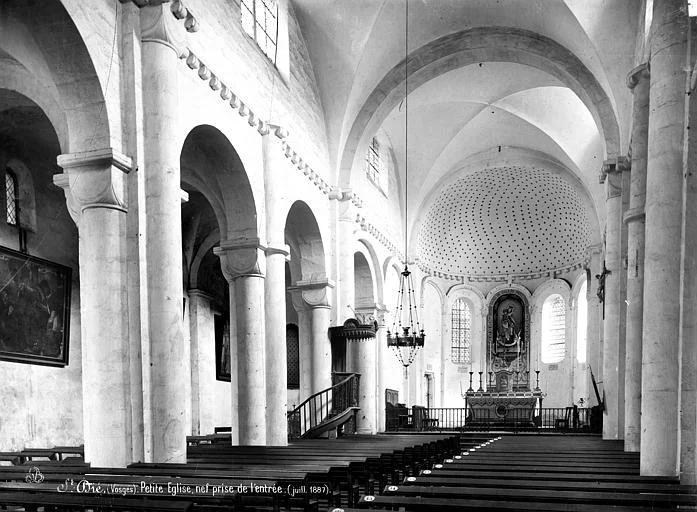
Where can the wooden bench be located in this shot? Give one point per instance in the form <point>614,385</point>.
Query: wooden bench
<point>435,504</point>
<point>551,483</point>
<point>542,495</point>
<point>82,502</point>
<point>11,457</point>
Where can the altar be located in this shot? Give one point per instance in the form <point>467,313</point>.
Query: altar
<point>503,409</point>
<point>508,399</point>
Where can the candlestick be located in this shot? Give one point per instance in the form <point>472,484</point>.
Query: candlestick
<point>491,379</point>
<point>470,389</point>
<point>537,386</point>
<point>480,382</point>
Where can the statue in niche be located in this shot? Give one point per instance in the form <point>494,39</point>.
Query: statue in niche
<point>508,340</point>
<point>508,325</point>
<point>509,318</point>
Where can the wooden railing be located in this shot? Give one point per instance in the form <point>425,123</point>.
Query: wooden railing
<point>546,419</point>
<point>323,406</point>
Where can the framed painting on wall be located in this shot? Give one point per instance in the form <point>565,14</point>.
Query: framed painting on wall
<point>34,309</point>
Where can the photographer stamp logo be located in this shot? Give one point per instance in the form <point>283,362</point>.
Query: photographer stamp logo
<point>34,476</point>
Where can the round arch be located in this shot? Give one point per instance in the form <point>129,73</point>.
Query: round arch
<point>34,65</point>
<point>471,46</point>
<point>365,282</point>
<point>371,255</point>
<point>211,165</point>
<point>302,234</point>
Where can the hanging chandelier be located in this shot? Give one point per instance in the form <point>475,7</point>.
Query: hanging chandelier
<point>406,336</point>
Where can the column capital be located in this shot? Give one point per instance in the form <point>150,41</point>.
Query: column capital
<point>381,313</point>
<point>157,25</point>
<point>241,258</point>
<point>179,9</point>
<point>634,215</point>
<point>594,249</point>
<point>93,179</point>
<point>347,204</point>
<point>614,165</point>
<point>312,293</point>
<point>641,72</point>
<point>200,294</point>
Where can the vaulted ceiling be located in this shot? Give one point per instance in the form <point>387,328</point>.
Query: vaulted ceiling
<point>491,83</point>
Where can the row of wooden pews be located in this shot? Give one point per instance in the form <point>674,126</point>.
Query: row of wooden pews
<point>306,475</point>
<point>57,453</point>
<point>332,471</point>
<point>535,473</point>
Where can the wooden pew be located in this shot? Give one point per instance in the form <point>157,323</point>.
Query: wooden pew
<point>546,495</point>
<point>551,483</point>
<point>428,504</point>
<point>80,502</point>
<point>11,457</point>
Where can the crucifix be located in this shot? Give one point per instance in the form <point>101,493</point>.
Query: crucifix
<point>601,285</point>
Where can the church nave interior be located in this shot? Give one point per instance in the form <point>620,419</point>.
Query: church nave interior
<point>337,255</point>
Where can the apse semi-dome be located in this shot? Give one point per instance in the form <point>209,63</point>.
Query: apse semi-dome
<point>505,221</point>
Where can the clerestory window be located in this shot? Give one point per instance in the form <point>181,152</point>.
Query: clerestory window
<point>11,205</point>
<point>260,22</point>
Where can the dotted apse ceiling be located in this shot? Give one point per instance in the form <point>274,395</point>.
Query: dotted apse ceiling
<point>505,221</point>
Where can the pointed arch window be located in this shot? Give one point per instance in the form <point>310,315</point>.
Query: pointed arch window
<point>553,329</point>
<point>461,332</point>
<point>581,323</point>
<point>11,198</point>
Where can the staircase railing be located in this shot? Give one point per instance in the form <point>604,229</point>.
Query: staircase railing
<point>323,405</point>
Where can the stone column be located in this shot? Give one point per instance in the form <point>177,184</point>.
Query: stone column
<point>202,329</point>
<point>664,180</point>
<point>346,227</point>
<point>277,362</point>
<point>638,81</point>
<point>594,332</point>
<point>169,367</point>
<point>612,175</point>
<point>95,183</point>
<point>383,355</point>
<point>243,264</point>
<point>688,384</point>
<point>313,296</point>
<point>321,348</point>
<point>275,164</point>
<point>364,361</point>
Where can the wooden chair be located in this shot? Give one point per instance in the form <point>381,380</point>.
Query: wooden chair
<point>563,423</point>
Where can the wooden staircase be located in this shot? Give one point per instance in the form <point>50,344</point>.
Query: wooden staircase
<point>331,411</point>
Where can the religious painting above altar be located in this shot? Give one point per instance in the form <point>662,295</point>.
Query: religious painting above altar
<point>508,342</point>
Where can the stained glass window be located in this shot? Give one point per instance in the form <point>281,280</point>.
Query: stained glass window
<point>461,332</point>
<point>11,197</point>
<point>553,329</point>
<point>260,22</point>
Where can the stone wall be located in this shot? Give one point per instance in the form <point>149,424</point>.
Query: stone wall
<point>42,405</point>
